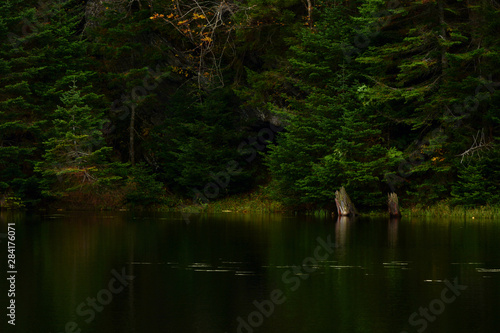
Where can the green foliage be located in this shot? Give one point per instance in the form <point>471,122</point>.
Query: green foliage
<point>198,141</point>
<point>141,187</point>
<point>374,96</point>
<point>75,147</point>
<point>332,139</point>
<point>470,189</point>
<point>38,48</point>
<point>478,182</point>
<point>12,202</point>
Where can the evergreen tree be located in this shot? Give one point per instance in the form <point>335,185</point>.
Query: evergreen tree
<point>332,139</point>
<point>470,189</point>
<point>375,96</point>
<point>432,75</point>
<point>75,149</point>
<point>38,46</point>
<point>199,140</point>
<point>478,180</point>
<point>136,71</point>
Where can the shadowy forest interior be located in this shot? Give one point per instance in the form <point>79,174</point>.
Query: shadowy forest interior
<point>171,103</point>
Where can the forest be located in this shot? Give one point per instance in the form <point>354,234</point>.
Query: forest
<point>170,103</point>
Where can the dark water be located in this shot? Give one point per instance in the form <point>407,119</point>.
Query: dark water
<point>251,273</point>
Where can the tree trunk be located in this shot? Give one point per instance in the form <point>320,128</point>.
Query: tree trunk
<point>132,135</point>
<point>345,207</point>
<point>442,23</point>
<point>393,204</point>
<point>309,14</point>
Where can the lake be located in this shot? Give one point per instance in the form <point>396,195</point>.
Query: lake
<point>159,272</point>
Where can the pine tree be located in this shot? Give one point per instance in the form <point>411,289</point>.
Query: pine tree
<point>200,140</point>
<point>470,189</point>
<point>432,76</point>
<point>39,46</point>
<point>332,139</point>
<point>135,61</point>
<point>76,148</point>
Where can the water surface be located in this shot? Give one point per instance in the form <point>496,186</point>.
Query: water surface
<point>221,273</point>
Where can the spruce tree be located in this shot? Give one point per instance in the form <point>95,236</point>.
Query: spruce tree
<point>75,149</point>
<point>332,138</point>
<point>40,46</point>
<point>432,76</point>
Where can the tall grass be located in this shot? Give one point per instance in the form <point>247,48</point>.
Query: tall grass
<point>259,202</point>
<point>444,210</point>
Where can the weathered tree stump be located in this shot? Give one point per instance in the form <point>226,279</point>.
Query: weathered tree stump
<point>393,204</point>
<point>345,207</point>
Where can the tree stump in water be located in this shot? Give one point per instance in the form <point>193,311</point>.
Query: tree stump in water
<point>345,207</point>
<point>393,204</point>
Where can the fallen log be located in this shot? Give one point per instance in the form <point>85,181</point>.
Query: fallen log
<point>345,207</point>
<point>393,204</point>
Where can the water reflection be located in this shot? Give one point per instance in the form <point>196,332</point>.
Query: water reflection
<point>202,276</point>
<point>341,227</point>
<point>392,232</point>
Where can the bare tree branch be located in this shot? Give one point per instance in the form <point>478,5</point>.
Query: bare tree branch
<point>202,23</point>
<point>477,146</point>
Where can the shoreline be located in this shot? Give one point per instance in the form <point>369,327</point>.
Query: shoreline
<point>256,202</point>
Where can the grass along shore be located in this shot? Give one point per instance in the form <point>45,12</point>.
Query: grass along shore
<point>445,210</point>
<point>257,202</point>
<point>254,202</point>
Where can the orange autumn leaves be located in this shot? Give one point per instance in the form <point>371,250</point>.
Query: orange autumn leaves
<point>155,16</point>
<point>185,24</point>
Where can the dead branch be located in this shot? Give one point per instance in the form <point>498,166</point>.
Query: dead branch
<point>477,146</point>
<point>202,23</point>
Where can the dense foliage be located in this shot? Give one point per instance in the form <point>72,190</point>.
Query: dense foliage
<point>158,101</point>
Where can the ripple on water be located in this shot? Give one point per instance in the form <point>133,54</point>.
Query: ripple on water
<point>403,265</point>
